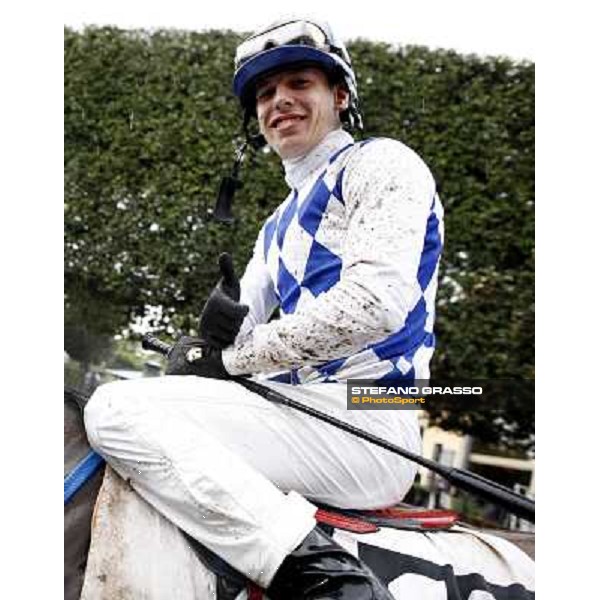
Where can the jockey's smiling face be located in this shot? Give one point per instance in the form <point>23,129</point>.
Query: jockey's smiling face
<point>297,108</point>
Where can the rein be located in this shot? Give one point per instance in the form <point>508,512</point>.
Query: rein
<point>83,471</point>
<point>87,467</point>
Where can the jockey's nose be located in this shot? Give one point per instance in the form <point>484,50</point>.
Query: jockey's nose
<point>283,97</point>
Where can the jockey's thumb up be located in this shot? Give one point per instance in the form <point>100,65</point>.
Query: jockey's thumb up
<point>229,282</point>
<point>223,315</point>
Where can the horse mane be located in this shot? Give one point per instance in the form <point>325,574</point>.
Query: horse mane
<point>76,398</point>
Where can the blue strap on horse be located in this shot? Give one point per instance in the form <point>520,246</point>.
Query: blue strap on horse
<point>83,471</point>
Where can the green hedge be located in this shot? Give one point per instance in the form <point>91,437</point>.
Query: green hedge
<point>149,124</point>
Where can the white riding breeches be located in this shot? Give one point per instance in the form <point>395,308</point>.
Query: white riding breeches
<point>235,471</point>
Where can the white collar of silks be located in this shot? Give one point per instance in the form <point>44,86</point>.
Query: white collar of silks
<point>301,169</point>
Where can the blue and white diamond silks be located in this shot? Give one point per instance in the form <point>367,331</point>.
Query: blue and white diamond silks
<point>303,254</point>
<point>404,355</point>
<point>301,250</point>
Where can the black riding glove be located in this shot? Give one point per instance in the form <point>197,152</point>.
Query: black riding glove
<point>223,315</point>
<point>193,356</point>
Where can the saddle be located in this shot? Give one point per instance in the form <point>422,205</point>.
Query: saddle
<point>401,516</point>
<point>230,582</point>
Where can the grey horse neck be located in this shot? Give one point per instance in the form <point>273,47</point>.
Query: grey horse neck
<point>76,444</point>
<point>78,512</point>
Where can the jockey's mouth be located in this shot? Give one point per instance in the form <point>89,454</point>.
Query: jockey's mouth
<point>278,120</point>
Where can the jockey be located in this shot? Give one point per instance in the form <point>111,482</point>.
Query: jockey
<point>350,258</point>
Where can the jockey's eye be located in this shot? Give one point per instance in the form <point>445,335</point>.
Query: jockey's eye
<point>265,92</point>
<point>300,82</point>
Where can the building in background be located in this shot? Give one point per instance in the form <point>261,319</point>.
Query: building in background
<point>462,451</point>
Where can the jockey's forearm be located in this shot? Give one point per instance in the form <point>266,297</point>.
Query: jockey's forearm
<point>339,322</point>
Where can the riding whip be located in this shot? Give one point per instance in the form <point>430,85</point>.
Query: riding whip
<point>517,504</point>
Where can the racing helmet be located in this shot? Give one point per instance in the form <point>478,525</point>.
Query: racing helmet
<point>294,42</point>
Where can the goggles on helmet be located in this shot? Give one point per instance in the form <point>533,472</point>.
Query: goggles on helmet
<point>297,33</point>
<point>287,43</point>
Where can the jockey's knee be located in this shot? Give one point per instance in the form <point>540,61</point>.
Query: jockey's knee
<point>105,411</point>
<point>390,490</point>
<point>405,479</point>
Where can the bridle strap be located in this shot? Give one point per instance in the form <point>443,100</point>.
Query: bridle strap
<point>83,471</point>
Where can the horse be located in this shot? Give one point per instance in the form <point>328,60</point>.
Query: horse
<point>123,548</point>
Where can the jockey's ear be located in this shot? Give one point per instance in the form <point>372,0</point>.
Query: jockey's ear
<point>341,97</point>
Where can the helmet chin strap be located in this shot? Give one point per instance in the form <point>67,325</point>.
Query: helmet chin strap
<point>254,140</point>
<point>231,183</point>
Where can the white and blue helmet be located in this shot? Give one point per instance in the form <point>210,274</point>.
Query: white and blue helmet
<point>294,42</point>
